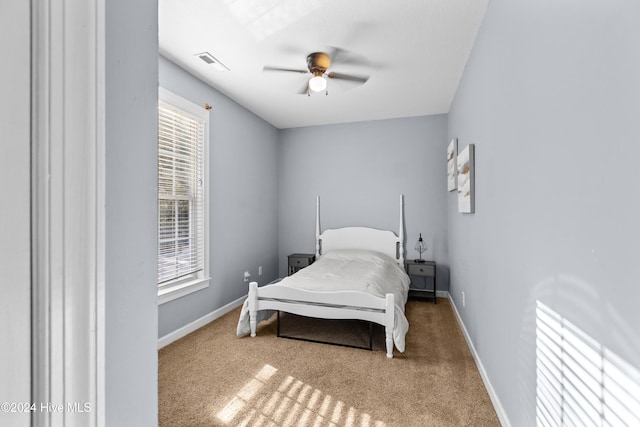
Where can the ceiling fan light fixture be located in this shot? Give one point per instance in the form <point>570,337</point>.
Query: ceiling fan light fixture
<point>317,83</point>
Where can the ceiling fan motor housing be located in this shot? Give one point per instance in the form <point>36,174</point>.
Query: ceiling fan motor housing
<point>318,62</point>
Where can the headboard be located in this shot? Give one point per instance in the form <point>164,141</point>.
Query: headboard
<point>384,241</point>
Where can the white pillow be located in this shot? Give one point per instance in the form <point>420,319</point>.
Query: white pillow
<point>358,254</point>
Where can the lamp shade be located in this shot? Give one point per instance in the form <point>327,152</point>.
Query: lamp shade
<point>421,247</point>
<point>317,83</point>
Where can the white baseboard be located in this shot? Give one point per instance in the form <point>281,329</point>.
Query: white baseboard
<point>502,415</point>
<point>196,324</point>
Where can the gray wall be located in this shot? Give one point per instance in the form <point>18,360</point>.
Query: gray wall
<point>131,313</point>
<point>550,97</point>
<point>15,210</point>
<point>359,171</point>
<point>243,200</point>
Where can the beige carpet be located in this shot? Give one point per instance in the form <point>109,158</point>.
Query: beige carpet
<point>213,378</point>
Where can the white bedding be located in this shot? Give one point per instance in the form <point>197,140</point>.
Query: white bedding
<point>351,269</point>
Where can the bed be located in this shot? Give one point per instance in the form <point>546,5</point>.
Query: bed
<point>358,274</point>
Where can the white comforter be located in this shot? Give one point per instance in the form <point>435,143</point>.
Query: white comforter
<point>349,269</point>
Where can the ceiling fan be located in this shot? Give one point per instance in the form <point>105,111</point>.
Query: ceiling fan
<point>318,63</point>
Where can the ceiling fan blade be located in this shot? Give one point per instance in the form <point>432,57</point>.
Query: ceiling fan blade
<point>348,77</point>
<point>339,55</point>
<point>291,70</point>
<point>304,90</point>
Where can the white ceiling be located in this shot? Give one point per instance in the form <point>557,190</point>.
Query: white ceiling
<point>413,50</point>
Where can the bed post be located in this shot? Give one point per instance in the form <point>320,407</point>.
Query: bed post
<point>401,234</point>
<point>317,227</point>
<point>389,321</point>
<point>253,301</point>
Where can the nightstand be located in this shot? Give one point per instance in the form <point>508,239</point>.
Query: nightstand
<point>299,261</point>
<point>424,270</point>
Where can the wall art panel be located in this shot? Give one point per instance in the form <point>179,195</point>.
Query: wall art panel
<point>452,154</point>
<point>466,179</point>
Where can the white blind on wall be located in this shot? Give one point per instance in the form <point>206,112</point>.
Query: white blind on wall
<point>180,194</point>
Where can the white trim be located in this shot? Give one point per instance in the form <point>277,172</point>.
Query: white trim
<point>68,209</point>
<point>171,99</point>
<point>170,293</point>
<point>198,323</point>
<point>502,415</point>
<point>100,199</point>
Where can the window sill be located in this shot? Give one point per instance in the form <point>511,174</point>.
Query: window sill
<point>182,289</point>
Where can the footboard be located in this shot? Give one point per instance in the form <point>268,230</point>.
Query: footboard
<point>324,305</point>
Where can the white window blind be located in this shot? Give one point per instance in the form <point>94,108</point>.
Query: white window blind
<point>180,194</point>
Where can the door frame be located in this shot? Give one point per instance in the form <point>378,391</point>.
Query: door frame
<point>68,210</point>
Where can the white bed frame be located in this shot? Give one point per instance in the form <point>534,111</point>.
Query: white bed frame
<point>340,304</point>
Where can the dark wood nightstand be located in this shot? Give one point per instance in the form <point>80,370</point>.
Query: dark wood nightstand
<point>425,270</point>
<point>299,261</point>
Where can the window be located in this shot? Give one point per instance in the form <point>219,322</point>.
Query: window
<point>183,246</point>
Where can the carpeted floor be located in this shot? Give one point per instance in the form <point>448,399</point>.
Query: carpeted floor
<point>213,378</point>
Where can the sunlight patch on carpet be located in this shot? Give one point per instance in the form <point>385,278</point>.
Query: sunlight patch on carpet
<point>272,398</point>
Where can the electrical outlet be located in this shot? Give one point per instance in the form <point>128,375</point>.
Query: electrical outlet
<point>463,299</point>
<point>246,276</point>
<point>260,271</point>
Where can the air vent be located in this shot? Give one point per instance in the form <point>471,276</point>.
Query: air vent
<point>211,60</point>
